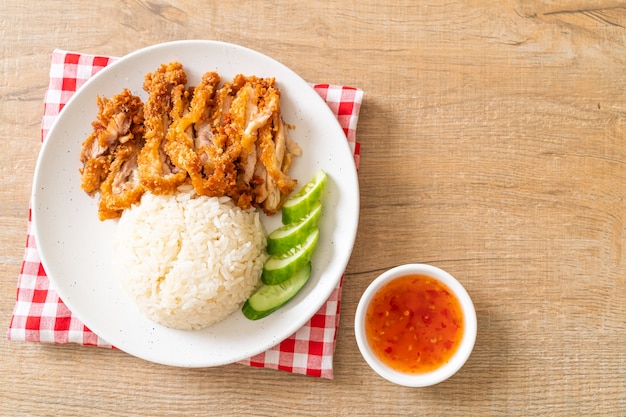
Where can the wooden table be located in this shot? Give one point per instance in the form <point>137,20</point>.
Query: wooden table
<point>492,146</point>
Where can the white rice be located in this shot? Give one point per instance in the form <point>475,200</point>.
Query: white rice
<point>187,261</point>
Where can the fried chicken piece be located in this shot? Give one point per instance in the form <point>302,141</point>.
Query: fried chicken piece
<point>108,154</point>
<point>276,151</point>
<point>200,148</point>
<point>222,157</point>
<point>253,120</point>
<point>119,120</point>
<point>122,187</point>
<point>245,110</point>
<point>229,141</point>
<point>157,173</point>
<point>178,144</point>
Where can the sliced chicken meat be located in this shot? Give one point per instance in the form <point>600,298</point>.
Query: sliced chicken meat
<point>156,171</point>
<point>225,141</point>
<point>122,187</point>
<point>254,121</point>
<point>117,137</point>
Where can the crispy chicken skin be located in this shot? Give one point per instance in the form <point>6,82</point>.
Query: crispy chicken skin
<point>232,141</point>
<point>119,120</point>
<point>224,141</point>
<point>157,173</point>
<point>197,146</point>
<point>117,137</point>
<point>275,157</point>
<point>122,188</point>
<point>254,122</point>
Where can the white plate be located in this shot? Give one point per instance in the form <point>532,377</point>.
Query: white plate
<point>75,246</point>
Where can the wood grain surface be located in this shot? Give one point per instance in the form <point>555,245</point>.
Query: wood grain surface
<point>493,146</point>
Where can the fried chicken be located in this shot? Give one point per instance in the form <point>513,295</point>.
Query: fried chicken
<point>122,187</point>
<point>165,86</point>
<point>232,141</point>
<point>117,133</point>
<point>199,147</point>
<point>253,120</point>
<point>224,141</point>
<point>276,152</point>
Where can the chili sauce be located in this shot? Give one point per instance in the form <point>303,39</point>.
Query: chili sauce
<point>414,324</point>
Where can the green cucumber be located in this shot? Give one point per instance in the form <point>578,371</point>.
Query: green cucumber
<point>279,268</point>
<point>291,235</point>
<point>299,204</point>
<point>270,298</point>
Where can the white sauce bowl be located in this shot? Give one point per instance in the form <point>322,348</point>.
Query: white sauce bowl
<point>456,361</point>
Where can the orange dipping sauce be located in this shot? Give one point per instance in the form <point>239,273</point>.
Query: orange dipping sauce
<point>414,324</point>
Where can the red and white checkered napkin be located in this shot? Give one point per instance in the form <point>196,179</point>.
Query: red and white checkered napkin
<point>40,316</point>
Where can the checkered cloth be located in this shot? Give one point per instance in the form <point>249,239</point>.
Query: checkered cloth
<point>40,316</point>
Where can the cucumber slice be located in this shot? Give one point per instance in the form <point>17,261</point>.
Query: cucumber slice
<point>278,268</point>
<point>270,298</point>
<point>291,235</point>
<point>299,204</point>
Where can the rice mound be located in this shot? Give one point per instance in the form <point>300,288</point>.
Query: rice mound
<point>189,261</point>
